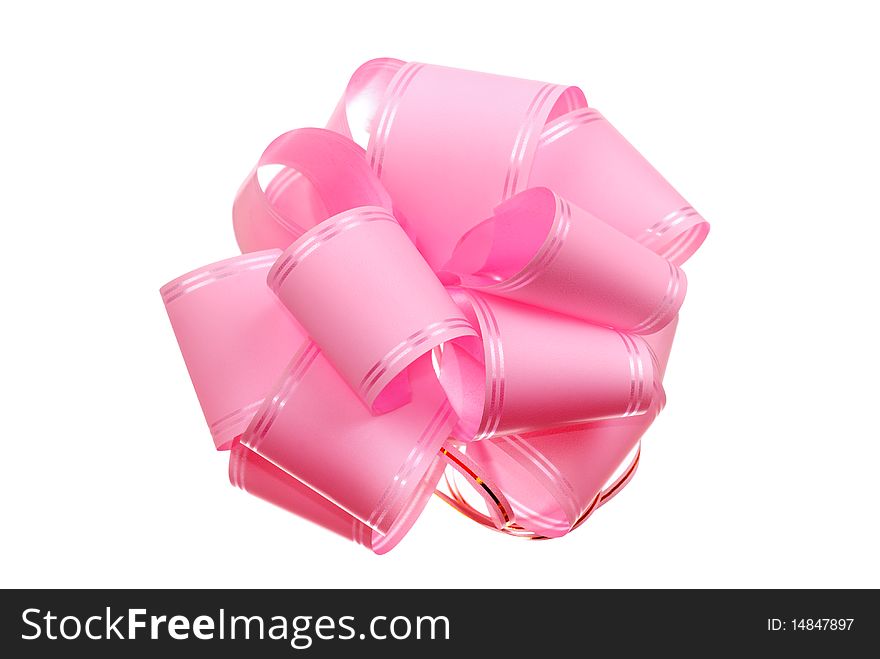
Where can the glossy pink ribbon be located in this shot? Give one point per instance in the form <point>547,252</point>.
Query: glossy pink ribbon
<point>487,292</point>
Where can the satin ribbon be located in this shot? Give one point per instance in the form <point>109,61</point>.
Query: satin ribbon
<point>485,294</point>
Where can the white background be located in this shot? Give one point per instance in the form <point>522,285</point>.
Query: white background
<point>125,133</point>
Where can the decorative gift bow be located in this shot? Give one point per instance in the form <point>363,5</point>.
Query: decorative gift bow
<point>492,286</point>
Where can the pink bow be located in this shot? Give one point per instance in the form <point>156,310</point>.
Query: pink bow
<point>492,286</point>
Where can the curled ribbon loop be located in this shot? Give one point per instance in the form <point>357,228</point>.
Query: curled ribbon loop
<point>449,145</point>
<point>323,174</point>
<point>532,369</point>
<point>487,289</point>
<point>367,286</point>
<point>379,463</point>
<point>235,337</point>
<point>540,249</point>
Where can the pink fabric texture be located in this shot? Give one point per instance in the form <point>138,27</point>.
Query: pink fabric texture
<point>478,302</point>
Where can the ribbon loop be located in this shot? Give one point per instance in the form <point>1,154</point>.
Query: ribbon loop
<point>259,477</point>
<point>449,145</point>
<point>235,337</point>
<point>583,158</point>
<point>356,113</point>
<point>540,249</point>
<point>312,419</point>
<point>323,174</point>
<point>553,479</point>
<point>535,370</point>
<point>382,281</point>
